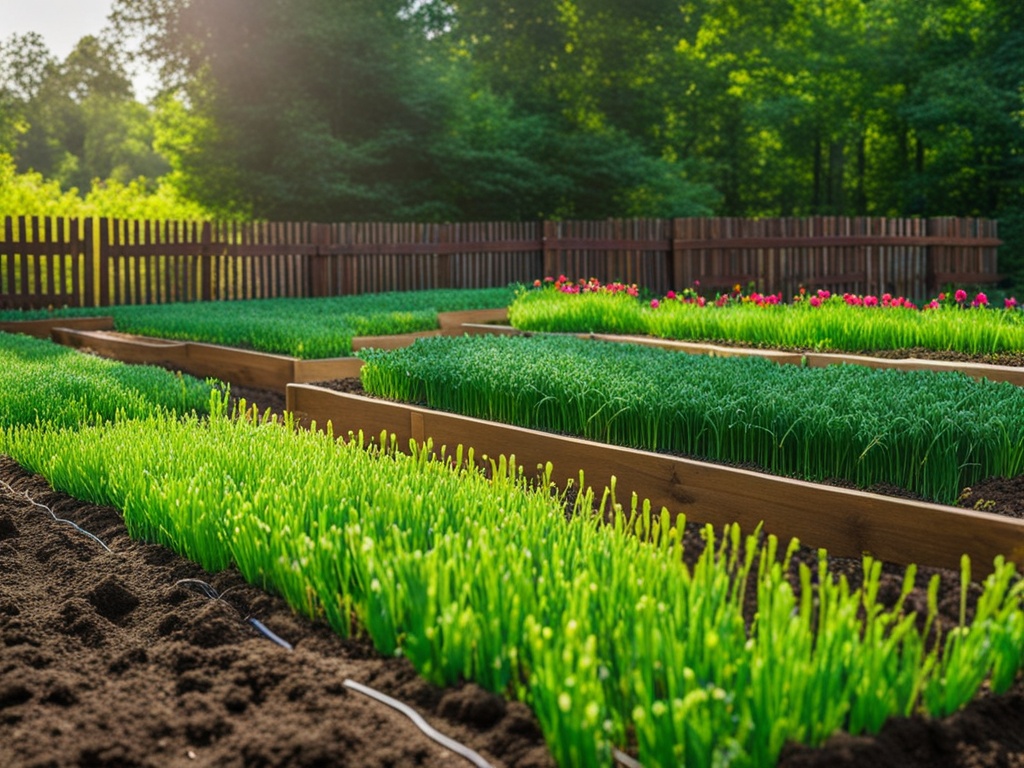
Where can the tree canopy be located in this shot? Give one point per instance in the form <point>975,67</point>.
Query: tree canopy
<point>517,109</point>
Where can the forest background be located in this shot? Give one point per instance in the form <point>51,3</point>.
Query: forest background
<point>481,110</point>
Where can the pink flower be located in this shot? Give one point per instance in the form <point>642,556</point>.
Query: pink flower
<point>1010,303</point>
<point>815,301</point>
<point>933,304</point>
<point>655,303</point>
<point>942,297</point>
<point>670,295</point>
<point>960,296</point>
<point>980,300</point>
<point>536,283</point>
<point>870,301</point>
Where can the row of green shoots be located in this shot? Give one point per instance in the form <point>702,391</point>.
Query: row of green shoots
<point>953,321</point>
<point>933,433</point>
<point>612,638</point>
<point>43,382</point>
<point>308,328</point>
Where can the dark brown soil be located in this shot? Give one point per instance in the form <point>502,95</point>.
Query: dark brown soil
<point>115,659</point>
<point>108,659</point>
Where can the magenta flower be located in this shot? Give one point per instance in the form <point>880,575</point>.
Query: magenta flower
<point>670,295</point>
<point>870,301</point>
<point>960,296</point>
<point>933,304</point>
<point>815,301</point>
<point>655,303</point>
<point>980,300</point>
<point>1010,303</point>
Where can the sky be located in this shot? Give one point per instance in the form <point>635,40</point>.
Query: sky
<point>62,23</point>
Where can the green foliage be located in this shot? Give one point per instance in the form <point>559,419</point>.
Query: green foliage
<point>46,383</point>
<point>305,328</point>
<point>475,109</point>
<point>601,629</point>
<point>833,326</point>
<point>931,433</point>
<point>31,194</point>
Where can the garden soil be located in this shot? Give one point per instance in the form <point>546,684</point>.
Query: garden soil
<point>118,659</point>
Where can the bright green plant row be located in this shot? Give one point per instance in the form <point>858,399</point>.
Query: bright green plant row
<point>40,380</point>
<point>932,433</point>
<point>604,634</point>
<point>834,325</point>
<point>305,328</point>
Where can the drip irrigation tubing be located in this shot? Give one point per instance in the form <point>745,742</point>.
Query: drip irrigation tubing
<point>212,593</point>
<point>30,500</point>
<point>420,723</point>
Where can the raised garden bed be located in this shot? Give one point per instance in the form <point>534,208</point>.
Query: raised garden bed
<point>218,740</point>
<point>243,367</point>
<point>247,368</point>
<point>1009,373</point>
<point>846,522</point>
<point>116,660</point>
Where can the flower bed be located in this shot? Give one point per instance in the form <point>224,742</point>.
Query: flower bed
<point>821,322</point>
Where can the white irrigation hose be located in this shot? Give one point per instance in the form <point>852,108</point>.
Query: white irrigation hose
<point>420,723</point>
<point>270,635</point>
<point>212,593</point>
<point>30,500</point>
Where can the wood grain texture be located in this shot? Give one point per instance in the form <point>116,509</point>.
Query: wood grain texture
<point>846,522</point>
<point>449,320</point>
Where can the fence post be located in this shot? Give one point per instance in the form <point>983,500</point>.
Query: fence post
<point>443,278</point>
<point>104,261</point>
<point>206,262</point>
<point>548,243</point>
<point>675,255</point>
<point>318,278</point>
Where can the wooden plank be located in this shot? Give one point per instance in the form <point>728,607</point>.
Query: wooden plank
<point>396,341</point>
<point>1007,373</point>
<point>847,523</point>
<point>167,354</point>
<point>326,369</point>
<point>315,404</point>
<point>478,316</point>
<point>240,366</point>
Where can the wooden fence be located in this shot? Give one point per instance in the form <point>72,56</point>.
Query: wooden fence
<point>100,262</point>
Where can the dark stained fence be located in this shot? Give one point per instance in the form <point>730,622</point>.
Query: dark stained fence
<point>43,262</point>
<point>48,261</point>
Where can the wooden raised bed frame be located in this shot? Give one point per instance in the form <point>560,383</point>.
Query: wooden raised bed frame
<point>260,370</point>
<point>1008,373</point>
<point>845,522</point>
